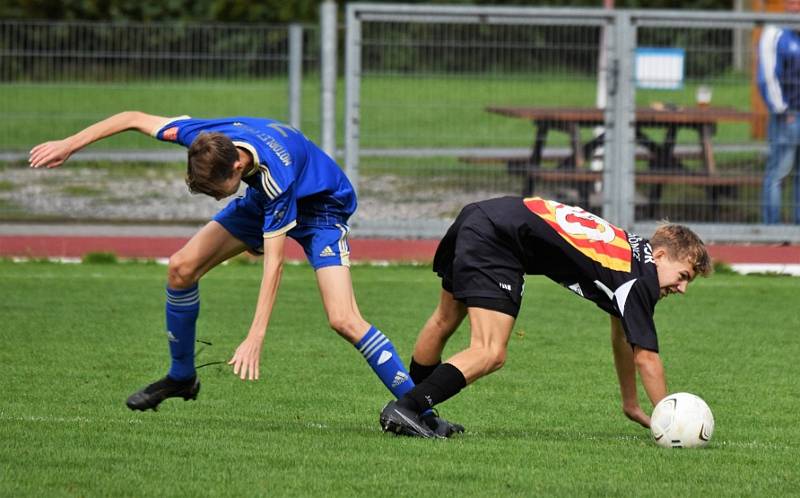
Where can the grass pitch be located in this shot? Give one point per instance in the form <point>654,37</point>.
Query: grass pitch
<point>77,339</point>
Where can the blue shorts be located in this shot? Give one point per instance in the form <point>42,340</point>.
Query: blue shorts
<point>323,234</point>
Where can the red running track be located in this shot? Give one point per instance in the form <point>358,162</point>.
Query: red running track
<point>362,249</point>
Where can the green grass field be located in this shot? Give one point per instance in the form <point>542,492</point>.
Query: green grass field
<point>397,111</point>
<point>77,339</point>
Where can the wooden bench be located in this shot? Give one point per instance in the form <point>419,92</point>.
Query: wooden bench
<point>583,180</point>
<point>518,163</point>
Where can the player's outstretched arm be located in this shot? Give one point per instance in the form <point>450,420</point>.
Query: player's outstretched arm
<point>651,371</point>
<point>626,374</point>
<point>53,154</point>
<point>246,360</point>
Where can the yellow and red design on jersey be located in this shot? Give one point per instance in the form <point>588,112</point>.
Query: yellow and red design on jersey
<point>593,236</point>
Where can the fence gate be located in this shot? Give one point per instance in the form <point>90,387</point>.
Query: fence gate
<point>615,110</point>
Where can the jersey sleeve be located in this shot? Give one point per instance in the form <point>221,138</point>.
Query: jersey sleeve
<point>177,130</point>
<point>636,304</point>
<point>280,214</point>
<point>769,51</point>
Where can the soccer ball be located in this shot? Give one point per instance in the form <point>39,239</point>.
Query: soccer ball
<point>682,420</point>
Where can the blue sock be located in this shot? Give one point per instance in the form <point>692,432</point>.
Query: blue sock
<point>379,352</point>
<point>183,306</point>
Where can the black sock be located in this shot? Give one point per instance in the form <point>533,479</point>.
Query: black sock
<point>421,372</point>
<point>444,383</point>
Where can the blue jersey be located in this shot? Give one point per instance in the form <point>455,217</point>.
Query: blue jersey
<point>299,182</point>
<point>779,69</point>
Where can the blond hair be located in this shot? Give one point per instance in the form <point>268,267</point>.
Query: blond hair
<point>682,244</point>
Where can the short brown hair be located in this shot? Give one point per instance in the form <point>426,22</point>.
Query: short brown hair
<point>683,244</point>
<point>211,158</point>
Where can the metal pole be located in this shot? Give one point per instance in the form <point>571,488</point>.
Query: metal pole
<point>596,164</point>
<point>328,54</point>
<point>618,176</point>
<point>295,73</point>
<point>738,40</point>
<point>352,114</point>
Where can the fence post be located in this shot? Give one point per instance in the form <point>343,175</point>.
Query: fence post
<point>618,174</point>
<point>328,55</point>
<point>352,114</point>
<point>295,73</point>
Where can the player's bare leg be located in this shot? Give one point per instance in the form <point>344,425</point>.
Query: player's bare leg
<point>341,308</point>
<point>339,301</point>
<point>208,248</point>
<point>490,331</point>
<point>486,353</point>
<point>444,321</point>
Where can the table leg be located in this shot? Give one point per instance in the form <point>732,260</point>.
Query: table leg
<point>542,127</point>
<point>706,131</point>
<point>575,143</point>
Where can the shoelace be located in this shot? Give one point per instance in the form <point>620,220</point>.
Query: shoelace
<point>200,350</point>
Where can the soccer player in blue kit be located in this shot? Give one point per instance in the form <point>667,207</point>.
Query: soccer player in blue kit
<point>294,190</point>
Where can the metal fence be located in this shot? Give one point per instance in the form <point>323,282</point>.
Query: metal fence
<point>451,104</point>
<point>443,105</point>
<point>57,78</point>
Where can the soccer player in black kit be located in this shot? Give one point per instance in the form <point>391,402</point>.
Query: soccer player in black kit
<point>482,261</point>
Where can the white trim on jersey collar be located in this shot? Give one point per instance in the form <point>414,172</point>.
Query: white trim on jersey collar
<point>164,124</point>
<point>252,150</point>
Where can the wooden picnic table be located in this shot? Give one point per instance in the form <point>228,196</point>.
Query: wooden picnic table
<point>662,156</point>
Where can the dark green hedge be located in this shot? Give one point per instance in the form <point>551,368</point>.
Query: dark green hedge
<point>261,10</point>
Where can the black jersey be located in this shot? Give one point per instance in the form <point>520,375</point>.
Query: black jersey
<point>585,254</point>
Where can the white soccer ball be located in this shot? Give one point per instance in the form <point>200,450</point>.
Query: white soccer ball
<point>682,420</point>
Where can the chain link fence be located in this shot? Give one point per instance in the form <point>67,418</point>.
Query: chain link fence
<point>640,115</point>
<point>57,78</point>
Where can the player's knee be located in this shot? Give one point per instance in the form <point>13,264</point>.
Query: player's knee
<point>497,358</point>
<point>346,325</point>
<point>181,273</point>
<point>443,322</point>
<point>491,359</point>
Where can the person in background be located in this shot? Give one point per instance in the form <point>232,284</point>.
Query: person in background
<point>779,85</point>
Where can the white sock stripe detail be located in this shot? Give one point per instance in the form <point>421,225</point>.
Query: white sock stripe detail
<point>187,297</point>
<point>184,299</point>
<point>183,296</point>
<point>371,340</point>
<point>371,353</point>
<point>184,304</point>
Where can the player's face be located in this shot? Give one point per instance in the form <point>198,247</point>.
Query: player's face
<point>673,275</point>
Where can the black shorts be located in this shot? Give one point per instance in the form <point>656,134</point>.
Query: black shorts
<point>478,266</point>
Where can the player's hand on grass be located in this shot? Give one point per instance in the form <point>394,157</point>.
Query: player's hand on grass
<point>638,415</point>
<point>50,154</point>
<point>246,359</point>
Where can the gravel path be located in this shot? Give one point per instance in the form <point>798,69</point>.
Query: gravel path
<point>160,194</point>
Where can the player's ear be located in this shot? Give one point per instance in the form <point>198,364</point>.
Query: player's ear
<point>660,253</point>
